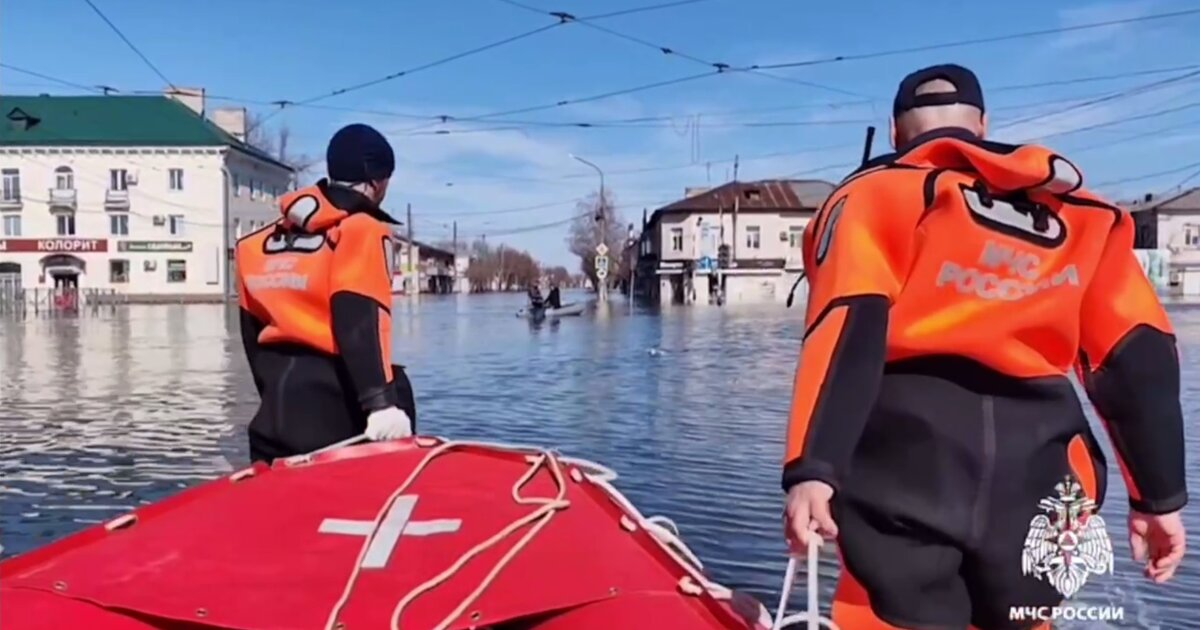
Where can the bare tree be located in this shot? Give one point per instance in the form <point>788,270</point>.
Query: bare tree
<point>586,234</point>
<point>559,276</point>
<point>501,268</point>
<point>275,142</point>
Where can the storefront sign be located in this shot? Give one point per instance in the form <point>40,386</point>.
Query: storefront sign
<point>54,245</point>
<point>154,246</point>
<point>760,263</point>
<point>670,265</point>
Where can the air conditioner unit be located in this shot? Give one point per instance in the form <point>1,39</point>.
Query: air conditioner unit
<point>150,265</point>
<point>131,179</point>
<point>783,236</point>
<point>160,219</point>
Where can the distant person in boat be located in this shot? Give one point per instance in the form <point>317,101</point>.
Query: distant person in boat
<point>934,432</point>
<point>535,298</point>
<point>554,299</point>
<point>315,296</point>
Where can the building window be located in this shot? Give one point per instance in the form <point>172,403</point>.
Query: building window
<point>795,236</point>
<point>1191,235</point>
<point>753,237</point>
<point>118,224</point>
<point>175,224</point>
<point>237,228</point>
<point>118,179</point>
<point>12,225</point>
<point>65,222</point>
<point>255,189</point>
<point>237,185</point>
<point>118,271</point>
<point>12,184</point>
<point>64,178</point>
<point>175,176</point>
<point>176,271</point>
<point>676,239</point>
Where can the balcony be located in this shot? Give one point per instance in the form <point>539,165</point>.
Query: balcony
<point>116,199</point>
<point>63,199</point>
<point>12,202</point>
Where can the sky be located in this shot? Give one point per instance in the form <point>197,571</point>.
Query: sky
<point>511,177</point>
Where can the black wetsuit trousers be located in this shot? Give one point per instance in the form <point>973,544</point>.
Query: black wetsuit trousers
<point>307,403</point>
<point>943,485</point>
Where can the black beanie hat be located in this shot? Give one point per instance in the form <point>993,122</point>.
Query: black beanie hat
<point>358,153</point>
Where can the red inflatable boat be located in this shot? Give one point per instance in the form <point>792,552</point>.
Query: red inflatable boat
<point>418,534</point>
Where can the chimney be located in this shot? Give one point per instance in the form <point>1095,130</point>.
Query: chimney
<point>232,120</point>
<point>692,191</point>
<point>192,97</point>
<point>1148,197</point>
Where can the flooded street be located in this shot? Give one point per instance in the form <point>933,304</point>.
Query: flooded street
<point>114,409</point>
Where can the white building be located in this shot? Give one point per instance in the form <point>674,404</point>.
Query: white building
<point>1170,225</point>
<point>141,195</point>
<point>761,223</point>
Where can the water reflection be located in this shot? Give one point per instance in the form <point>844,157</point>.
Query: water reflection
<point>125,407</point>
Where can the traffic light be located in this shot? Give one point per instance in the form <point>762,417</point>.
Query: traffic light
<point>723,256</point>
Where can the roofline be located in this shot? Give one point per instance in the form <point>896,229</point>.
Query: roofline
<point>657,215</point>
<point>1155,205</point>
<point>261,157</point>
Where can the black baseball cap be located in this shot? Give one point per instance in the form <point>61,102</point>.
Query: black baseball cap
<point>966,89</point>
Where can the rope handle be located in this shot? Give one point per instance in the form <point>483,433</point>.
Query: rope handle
<point>812,614</point>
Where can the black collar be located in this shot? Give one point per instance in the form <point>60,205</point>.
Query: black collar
<point>353,201</point>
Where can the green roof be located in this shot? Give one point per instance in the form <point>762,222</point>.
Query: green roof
<point>114,121</point>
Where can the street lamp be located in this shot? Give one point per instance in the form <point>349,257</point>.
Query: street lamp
<point>602,219</point>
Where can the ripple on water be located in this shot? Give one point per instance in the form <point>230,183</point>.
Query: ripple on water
<point>123,408</point>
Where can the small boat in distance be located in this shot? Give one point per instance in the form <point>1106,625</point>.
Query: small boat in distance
<point>569,309</point>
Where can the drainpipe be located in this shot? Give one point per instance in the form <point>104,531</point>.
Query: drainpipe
<point>225,179</point>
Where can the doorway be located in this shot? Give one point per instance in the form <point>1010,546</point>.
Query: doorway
<point>10,280</point>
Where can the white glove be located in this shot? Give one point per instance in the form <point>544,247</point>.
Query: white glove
<point>388,424</point>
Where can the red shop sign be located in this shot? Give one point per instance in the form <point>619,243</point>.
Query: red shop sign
<point>54,245</point>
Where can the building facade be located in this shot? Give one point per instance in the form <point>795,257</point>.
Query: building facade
<point>139,195</point>
<point>1168,230</point>
<point>422,268</point>
<point>761,223</point>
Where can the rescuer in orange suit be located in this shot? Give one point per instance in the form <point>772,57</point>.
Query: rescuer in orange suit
<point>953,286</point>
<point>315,290</point>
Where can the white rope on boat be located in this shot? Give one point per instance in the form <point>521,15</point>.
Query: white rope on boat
<point>662,530</point>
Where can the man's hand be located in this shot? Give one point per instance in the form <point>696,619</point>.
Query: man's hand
<point>1159,540</point>
<point>388,424</point>
<point>807,515</point>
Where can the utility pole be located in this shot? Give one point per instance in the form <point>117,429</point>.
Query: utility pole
<point>454,248</point>
<point>601,247</point>
<point>409,276</point>
<point>737,197</point>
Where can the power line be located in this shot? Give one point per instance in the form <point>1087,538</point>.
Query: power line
<point>70,84</point>
<point>980,40</point>
<point>671,51</point>
<point>654,7</point>
<point>464,54</point>
<point>1095,78</point>
<point>416,69</point>
<point>1138,89</point>
<point>129,43</point>
<point>586,99</point>
<point>1138,178</point>
<point>1121,121</point>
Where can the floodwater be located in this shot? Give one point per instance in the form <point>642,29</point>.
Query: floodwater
<point>114,409</point>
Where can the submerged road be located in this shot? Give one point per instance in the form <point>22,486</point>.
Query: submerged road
<point>119,408</point>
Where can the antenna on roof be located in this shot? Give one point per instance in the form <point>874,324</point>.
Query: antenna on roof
<point>107,89</point>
